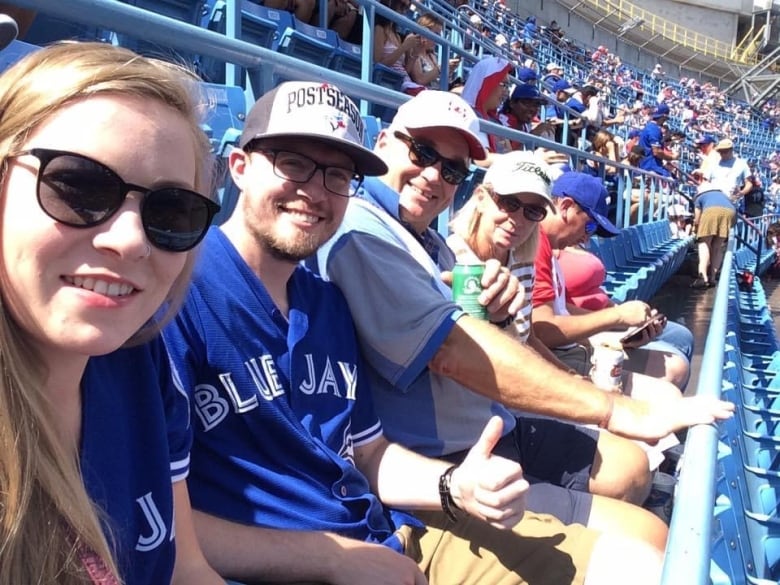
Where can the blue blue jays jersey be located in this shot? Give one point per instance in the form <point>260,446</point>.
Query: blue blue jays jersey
<point>278,404</point>
<point>135,443</point>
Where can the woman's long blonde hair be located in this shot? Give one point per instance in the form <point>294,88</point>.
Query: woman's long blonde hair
<point>467,220</point>
<point>46,515</point>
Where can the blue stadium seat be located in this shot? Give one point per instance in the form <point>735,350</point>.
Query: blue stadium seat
<point>187,11</point>
<point>347,58</point>
<point>47,29</point>
<point>309,43</point>
<point>260,26</point>
<point>373,126</point>
<point>226,111</point>
<point>384,76</point>
<point>263,26</point>
<point>13,52</point>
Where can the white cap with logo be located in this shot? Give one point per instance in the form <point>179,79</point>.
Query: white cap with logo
<point>442,109</point>
<point>319,111</point>
<point>518,172</point>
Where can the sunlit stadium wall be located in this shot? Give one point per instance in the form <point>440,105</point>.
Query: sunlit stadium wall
<point>585,33</point>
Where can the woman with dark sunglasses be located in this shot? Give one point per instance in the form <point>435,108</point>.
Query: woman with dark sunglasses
<point>501,220</point>
<point>103,168</point>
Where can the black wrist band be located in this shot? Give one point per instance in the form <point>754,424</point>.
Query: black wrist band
<point>448,505</point>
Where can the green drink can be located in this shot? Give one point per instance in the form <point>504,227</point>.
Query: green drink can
<point>466,288</point>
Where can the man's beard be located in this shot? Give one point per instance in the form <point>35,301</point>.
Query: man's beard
<point>304,246</point>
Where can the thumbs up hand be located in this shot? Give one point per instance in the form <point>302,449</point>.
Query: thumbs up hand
<point>488,486</point>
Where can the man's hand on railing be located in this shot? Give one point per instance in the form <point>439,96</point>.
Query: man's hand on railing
<point>637,419</point>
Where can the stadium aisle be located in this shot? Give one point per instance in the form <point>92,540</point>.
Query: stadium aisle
<point>692,308</point>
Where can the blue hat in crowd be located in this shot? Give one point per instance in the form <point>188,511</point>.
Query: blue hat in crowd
<point>526,91</point>
<point>706,139</point>
<point>527,75</point>
<point>633,133</point>
<point>660,111</point>
<point>591,195</point>
<point>562,85</point>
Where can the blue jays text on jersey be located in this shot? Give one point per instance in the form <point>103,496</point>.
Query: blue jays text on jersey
<point>335,377</point>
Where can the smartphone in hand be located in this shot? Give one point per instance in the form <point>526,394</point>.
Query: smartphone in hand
<point>636,333</point>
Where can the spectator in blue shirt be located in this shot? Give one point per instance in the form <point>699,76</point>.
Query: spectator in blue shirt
<point>651,139</point>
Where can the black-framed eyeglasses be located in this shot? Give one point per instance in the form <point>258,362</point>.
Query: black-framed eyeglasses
<point>81,192</point>
<point>512,204</point>
<point>299,168</point>
<point>423,155</point>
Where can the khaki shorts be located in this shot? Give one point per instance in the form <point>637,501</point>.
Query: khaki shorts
<point>540,550</point>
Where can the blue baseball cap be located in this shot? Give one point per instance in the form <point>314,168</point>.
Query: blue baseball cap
<point>660,111</point>
<point>706,139</point>
<point>526,91</point>
<point>562,85</point>
<point>591,195</point>
<point>527,75</point>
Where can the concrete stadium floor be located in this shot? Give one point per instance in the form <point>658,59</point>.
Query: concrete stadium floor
<point>689,307</point>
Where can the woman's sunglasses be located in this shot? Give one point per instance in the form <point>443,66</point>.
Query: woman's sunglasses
<point>81,192</point>
<point>511,204</point>
<point>422,155</point>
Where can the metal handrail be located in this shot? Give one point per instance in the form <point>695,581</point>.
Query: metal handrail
<point>689,549</point>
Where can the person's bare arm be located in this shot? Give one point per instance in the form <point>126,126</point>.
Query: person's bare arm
<point>485,486</point>
<point>253,553</point>
<point>557,330</point>
<point>494,365</point>
<point>663,154</point>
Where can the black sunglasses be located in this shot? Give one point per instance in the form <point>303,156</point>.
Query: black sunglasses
<point>511,204</point>
<point>422,155</point>
<point>81,192</point>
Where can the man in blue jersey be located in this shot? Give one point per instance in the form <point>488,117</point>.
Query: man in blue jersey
<point>651,139</point>
<point>289,462</point>
<point>438,374</point>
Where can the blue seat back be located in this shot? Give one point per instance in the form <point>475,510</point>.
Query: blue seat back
<point>309,43</point>
<point>263,26</point>
<point>46,29</point>
<point>347,58</point>
<point>13,52</point>
<point>226,110</point>
<point>260,26</point>
<point>187,11</point>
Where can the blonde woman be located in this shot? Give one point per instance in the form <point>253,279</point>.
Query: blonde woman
<point>104,171</point>
<point>501,220</point>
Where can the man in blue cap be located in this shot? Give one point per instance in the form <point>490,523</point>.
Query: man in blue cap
<point>563,92</point>
<point>581,211</point>
<point>521,112</point>
<point>522,107</point>
<point>651,140</point>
